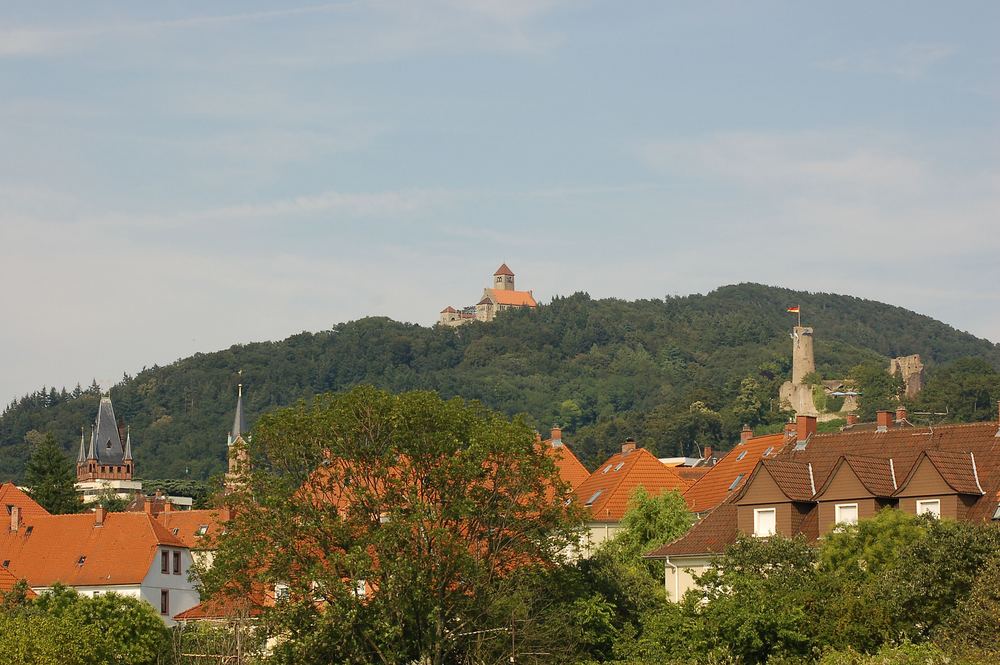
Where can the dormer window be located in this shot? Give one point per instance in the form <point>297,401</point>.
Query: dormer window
<point>930,507</point>
<point>202,530</point>
<point>764,522</point>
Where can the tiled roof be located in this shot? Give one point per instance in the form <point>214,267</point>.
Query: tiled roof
<point>503,270</point>
<point>946,446</point>
<point>186,526</point>
<point>7,582</point>
<point>12,495</point>
<point>712,489</point>
<point>224,606</point>
<point>73,550</point>
<point>609,488</point>
<point>570,468</point>
<point>515,298</point>
<point>793,478</point>
<point>957,469</point>
<point>876,474</point>
<point>448,310</point>
<point>715,532</point>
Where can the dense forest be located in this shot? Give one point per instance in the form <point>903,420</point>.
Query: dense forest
<point>677,373</point>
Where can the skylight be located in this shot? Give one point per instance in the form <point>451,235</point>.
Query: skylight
<point>593,498</point>
<point>801,445</point>
<point>202,530</point>
<point>619,466</point>
<point>81,560</point>
<point>767,452</point>
<point>735,482</point>
<point>741,456</point>
<point>996,513</point>
<point>606,469</point>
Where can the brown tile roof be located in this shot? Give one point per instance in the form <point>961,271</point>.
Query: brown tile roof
<point>187,526</point>
<point>714,533</point>
<point>795,479</point>
<point>504,297</point>
<point>712,488</point>
<point>876,474</point>
<point>609,488</point>
<point>73,550</point>
<point>503,270</point>
<point>946,446</point>
<point>570,468</point>
<point>12,495</point>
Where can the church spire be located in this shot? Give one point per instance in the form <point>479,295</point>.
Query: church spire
<point>82,456</point>
<point>92,454</point>
<point>239,422</point>
<point>127,457</point>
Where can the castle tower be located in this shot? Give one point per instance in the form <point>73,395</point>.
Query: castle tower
<point>107,465</point>
<point>802,353</point>
<point>503,279</point>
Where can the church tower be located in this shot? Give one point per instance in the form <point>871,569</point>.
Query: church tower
<point>106,465</point>
<point>503,279</point>
<point>239,458</point>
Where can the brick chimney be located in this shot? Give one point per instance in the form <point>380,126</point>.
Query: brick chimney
<point>852,419</point>
<point>15,518</point>
<point>883,420</point>
<point>805,427</point>
<point>708,452</point>
<point>746,434</point>
<point>900,414</point>
<point>789,430</point>
<point>168,507</point>
<point>629,445</point>
<point>556,435</point>
<point>99,516</point>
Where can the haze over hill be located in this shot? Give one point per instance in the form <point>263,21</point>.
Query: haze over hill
<point>670,372</point>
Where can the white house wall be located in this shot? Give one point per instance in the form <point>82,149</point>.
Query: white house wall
<point>183,595</point>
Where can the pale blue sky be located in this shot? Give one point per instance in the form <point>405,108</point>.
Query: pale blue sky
<point>180,176</point>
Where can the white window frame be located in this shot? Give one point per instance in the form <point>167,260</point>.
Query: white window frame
<point>837,516</point>
<point>757,512</point>
<point>932,506</point>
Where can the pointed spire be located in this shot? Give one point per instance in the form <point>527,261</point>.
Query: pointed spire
<point>82,456</point>
<point>92,454</point>
<point>108,440</point>
<point>127,457</point>
<point>239,422</point>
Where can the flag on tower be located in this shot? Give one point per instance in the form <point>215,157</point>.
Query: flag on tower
<point>794,310</point>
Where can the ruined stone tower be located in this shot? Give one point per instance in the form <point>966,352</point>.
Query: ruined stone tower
<point>802,353</point>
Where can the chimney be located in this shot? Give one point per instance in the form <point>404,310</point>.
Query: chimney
<point>883,421</point>
<point>556,436</point>
<point>790,430</point>
<point>900,414</point>
<point>852,419</point>
<point>708,452</point>
<point>15,518</point>
<point>805,427</point>
<point>746,434</point>
<point>147,506</point>
<point>99,516</point>
<point>628,446</point>
<point>168,507</point>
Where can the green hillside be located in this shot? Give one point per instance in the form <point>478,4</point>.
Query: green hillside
<point>675,373</point>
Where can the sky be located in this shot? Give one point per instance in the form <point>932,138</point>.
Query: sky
<point>179,176</point>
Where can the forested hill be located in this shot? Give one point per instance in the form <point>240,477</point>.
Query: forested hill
<point>673,373</point>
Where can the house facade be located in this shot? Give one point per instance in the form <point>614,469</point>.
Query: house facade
<point>814,483</point>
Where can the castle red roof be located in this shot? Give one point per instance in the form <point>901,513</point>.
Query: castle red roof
<point>503,270</point>
<point>448,310</point>
<point>504,297</point>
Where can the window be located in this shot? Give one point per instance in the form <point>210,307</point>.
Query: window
<point>768,451</point>
<point>764,522</point>
<point>618,467</point>
<point>82,560</point>
<point>741,456</point>
<point>606,469</point>
<point>164,601</point>
<point>175,531</point>
<point>28,530</point>
<point>280,592</point>
<point>996,513</point>
<point>929,506</point>
<point>845,513</point>
<point>164,562</point>
<point>177,563</point>
<point>735,482</point>
<point>593,498</point>
<point>202,530</point>
<point>6,563</point>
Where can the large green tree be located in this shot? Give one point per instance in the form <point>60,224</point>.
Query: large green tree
<point>50,475</point>
<point>402,525</point>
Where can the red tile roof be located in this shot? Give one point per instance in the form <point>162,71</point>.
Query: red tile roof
<point>186,526</point>
<point>11,495</point>
<point>607,491</point>
<point>948,447</point>
<point>223,606</point>
<point>712,489</point>
<point>448,310</point>
<point>73,550</point>
<point>503,270</point>
<point>514,298</point>
<point>7,582</point>
<point>570,469</point>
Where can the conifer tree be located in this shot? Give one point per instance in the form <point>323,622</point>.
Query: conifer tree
<point>50,477</point>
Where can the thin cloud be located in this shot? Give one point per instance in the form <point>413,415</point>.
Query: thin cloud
<point>910,61</point>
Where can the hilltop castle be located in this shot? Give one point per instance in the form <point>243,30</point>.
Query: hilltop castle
<point>500,297</point>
